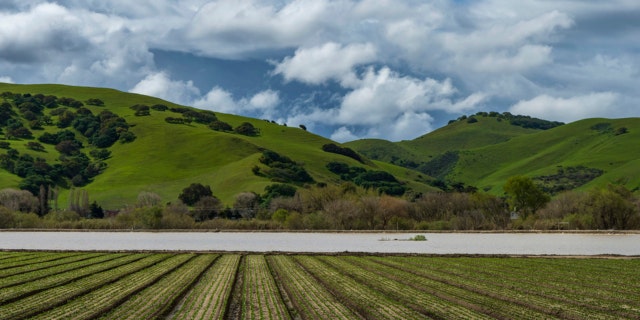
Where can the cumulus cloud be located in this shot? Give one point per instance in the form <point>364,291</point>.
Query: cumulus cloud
<point>45,30</point>
<point>6,79</point>
<point>597,104</point>
<point>381,95</point>
<point>384,104</point>
<point>234,27</point>
<point>329,61</point>
<point>343,134</point>
<point>392,59</point>
<point>161,86</point>
<point>262,104</point>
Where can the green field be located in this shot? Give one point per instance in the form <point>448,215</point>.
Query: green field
<point>91,285</point>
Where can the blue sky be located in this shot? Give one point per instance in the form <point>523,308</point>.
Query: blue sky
<point>345,69</point>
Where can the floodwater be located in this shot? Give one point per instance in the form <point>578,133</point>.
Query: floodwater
<point>437,243</point>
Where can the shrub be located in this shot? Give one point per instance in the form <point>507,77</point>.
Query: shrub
<point>332,148</point>
<point>247,129</point>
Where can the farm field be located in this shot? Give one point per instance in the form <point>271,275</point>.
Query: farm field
<point>100,285</point>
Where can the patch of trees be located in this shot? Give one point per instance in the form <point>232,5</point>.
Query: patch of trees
<point>73,168</point>
<point>189,116</point>
<point>218,125</point>
<point>333,148</point>
<point>381,181</point>
<point>567,178</point>
<point>104,129</point>
<point>282,169</point>
<point>516,120</point>
<point>441,165</point>
<point>95,102</point>
<point>203,116</point>
<point>194,192</point>
<point>607,128</point>
<point>247,129</point>
<point>159,107</point>
<point>173,120</point>
<point>140,110</point>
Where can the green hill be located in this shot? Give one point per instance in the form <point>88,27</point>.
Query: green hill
<point>607,145</point>
<point>487,151</point>
<point>166,157</point>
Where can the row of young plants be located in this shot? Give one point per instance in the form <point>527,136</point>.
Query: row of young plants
<point>279,286</point>
<point>28,273</point>
<point>29,288</point>
<point>310,299</point>
<point>209,298</point>
<point>529,290</point>
<point>107,297</point>
<point>261,298</point>
<point>40,301</point>
<point>427,298</point>
<point>159,298</point>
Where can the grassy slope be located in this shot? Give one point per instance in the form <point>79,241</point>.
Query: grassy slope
<point>541,153</point>
<point>165,158</point>
<point>492,151</point>
<point>461,135</point>
<point>382,150</point>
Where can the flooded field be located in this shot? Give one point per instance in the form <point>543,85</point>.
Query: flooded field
<point>436,243</point>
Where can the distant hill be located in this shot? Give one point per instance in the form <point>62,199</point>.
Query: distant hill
<point>488,150</point>
<point>159,147</point>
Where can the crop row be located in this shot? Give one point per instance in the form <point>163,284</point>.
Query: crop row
<point>47,285</point>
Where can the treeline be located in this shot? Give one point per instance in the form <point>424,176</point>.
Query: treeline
<point>516,120</point>
<point>341,207</point>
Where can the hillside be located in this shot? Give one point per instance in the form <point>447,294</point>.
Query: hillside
<point>486,152</point>
<point>607,145</point>
<point>154,155</point>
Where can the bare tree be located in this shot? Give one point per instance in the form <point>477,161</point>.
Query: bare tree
<point>18,200</point>
<point>148,199</point>
<point>246,204</point>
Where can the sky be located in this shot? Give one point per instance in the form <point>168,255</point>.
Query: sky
<point>346,69</point>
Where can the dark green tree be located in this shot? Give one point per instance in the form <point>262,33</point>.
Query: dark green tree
<point>247,129</point>
<point>193,193</point>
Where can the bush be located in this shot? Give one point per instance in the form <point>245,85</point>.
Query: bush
<point>332,148</point>
<point>246,129</point>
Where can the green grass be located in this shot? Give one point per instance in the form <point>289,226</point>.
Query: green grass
<point>574,144</point>
<point>491,151</point>
<point>165,158</point>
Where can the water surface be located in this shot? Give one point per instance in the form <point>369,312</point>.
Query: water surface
<point>437,243</point>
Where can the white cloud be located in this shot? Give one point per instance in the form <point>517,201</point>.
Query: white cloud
<point>263,104</point>
<point>379,96</point>
<point>35,35</point>
<point>598,104</point>
<point>161,86</point>
<point>343,134</point>
<point>497,52</point>
<point>527,57</point>
<point>264,100</point>
<point>232,27</point>
<point>329,61</point>
<point>6,79</point>
<point>217,99</point>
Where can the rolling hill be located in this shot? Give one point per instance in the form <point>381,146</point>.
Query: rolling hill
<point>166,157</point>
<point>487,151</point>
